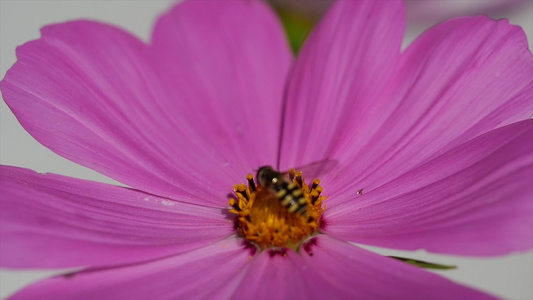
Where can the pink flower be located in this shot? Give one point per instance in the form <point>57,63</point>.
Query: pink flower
<point>438,137</point>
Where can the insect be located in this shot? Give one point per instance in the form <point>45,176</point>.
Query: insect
<point>290,195</point>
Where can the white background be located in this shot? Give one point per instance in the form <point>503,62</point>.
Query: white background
<point>509,277</point>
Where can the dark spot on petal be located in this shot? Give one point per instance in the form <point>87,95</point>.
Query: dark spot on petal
<point>308,246</point>
<point>280,252</point>
<point>69,275</point>
<point>323,224</point>
<point>250,247</point>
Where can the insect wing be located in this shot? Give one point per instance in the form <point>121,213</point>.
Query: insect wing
<point>315,169</point>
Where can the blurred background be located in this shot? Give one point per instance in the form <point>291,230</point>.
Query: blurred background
<point>509,277</point>
<point>299,16</point>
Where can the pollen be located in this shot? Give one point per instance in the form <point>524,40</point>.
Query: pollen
<point>266,221</point>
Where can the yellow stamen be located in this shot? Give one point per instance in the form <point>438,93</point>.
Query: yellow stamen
<point>267,222</point>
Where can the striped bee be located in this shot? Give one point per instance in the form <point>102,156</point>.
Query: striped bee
<point>290,195</point>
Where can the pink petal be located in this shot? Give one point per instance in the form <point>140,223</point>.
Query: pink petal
<point>338,270</point>
<point>274,274</point>
<point>88,92</point>
<point>331,269</point>
<point>475,199</point>
<point>228,61</point>
<point>211,272</point>
<point>459,80</point>
<point>92,93</point>
<point>51,221</point>
<point>340,73</point>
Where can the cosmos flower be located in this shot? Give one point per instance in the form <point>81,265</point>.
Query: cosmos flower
<point>432,150</point>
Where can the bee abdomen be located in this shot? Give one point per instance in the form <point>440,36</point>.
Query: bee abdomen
<point>292,198</point>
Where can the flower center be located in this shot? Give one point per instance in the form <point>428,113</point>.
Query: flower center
<point>280,211</point>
